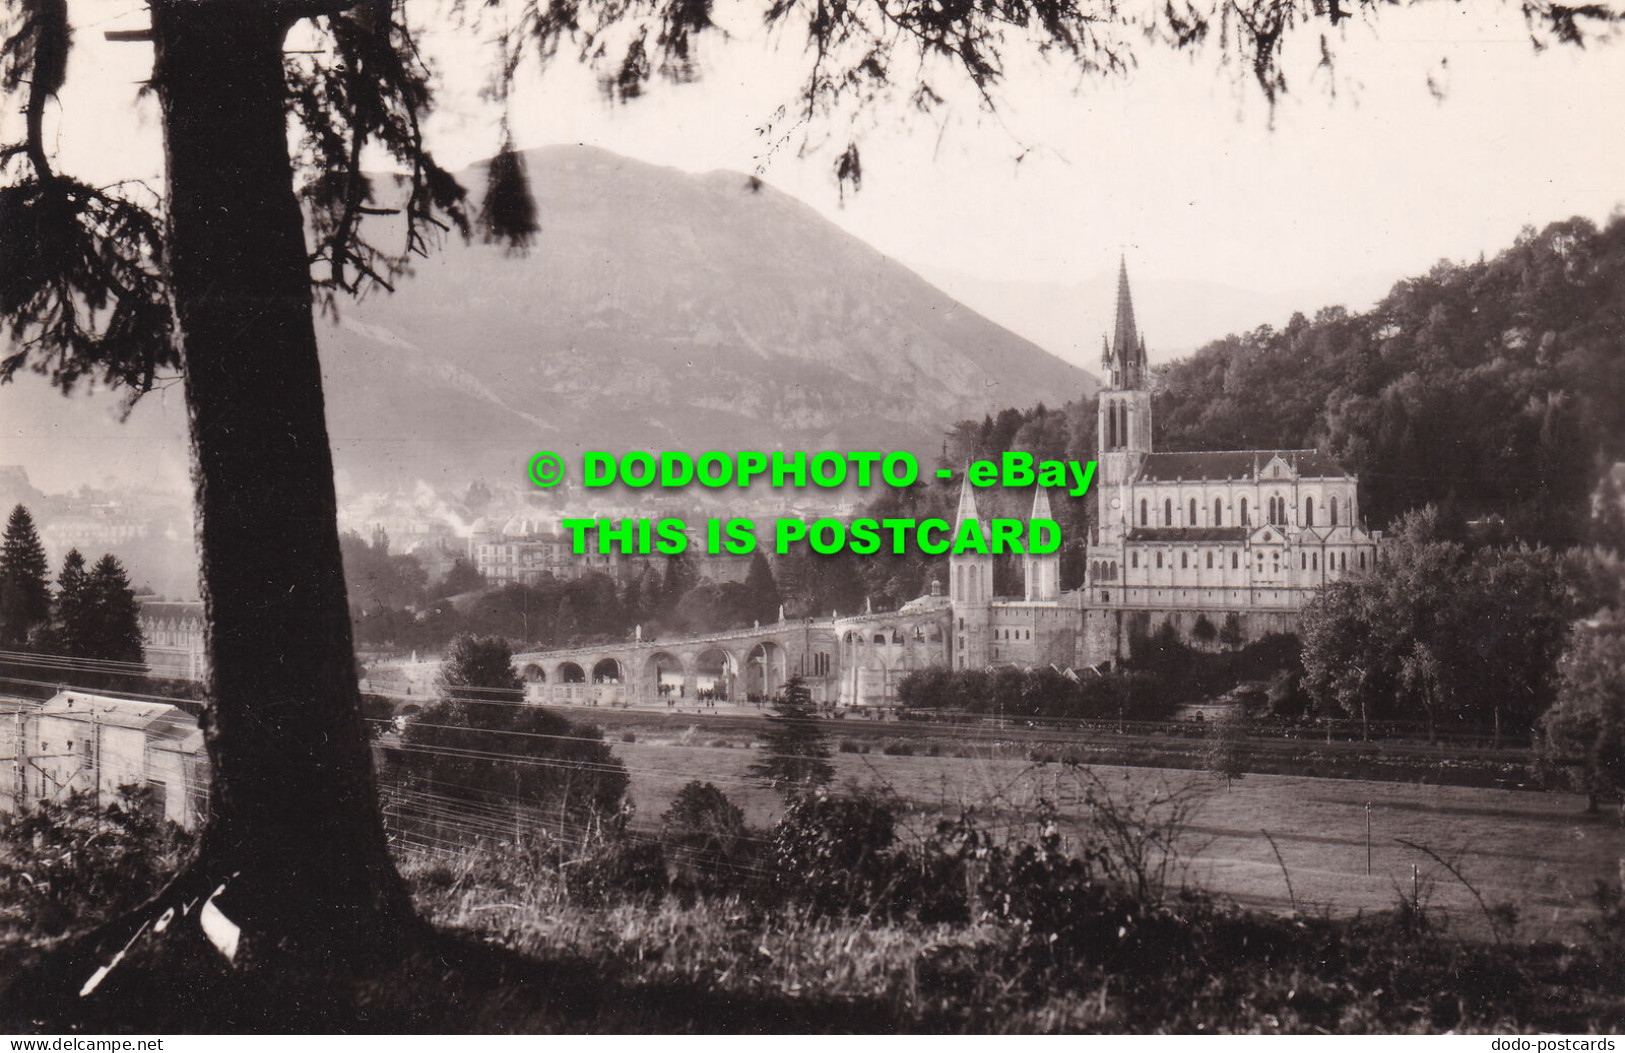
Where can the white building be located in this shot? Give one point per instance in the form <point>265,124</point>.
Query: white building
<point>80,742</point>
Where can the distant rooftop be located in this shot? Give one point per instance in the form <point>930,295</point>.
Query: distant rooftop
<point>1236,464</point>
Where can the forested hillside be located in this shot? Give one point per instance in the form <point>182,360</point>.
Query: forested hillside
<point>1494,388</point>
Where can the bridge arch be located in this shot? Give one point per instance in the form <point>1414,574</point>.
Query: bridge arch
<point>569,673</point>
<point>664,676</point>
<point>607,670</point>
<point>534,673</point>
<point>766,670</point>
<point>716,673</point>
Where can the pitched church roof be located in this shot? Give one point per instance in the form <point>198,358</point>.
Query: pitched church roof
<point>1236,464</point>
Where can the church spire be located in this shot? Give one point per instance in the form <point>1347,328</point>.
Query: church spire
<point>1042,572</point>
<point>1128,348</point>
<point>967,502</point>
<point>1041,504</point>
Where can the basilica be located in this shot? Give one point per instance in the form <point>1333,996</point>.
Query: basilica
<point>1234,540</point>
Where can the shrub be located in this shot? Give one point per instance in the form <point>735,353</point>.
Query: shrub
<point>78,862</point>
<point>710,846</point>
<point>897,748</point>
<point>833,854</point>
<point>623,869</point>
<point>629,736</point>
<point>522,758</point>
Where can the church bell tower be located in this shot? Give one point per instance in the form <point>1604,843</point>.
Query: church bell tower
<point>1123,426</point>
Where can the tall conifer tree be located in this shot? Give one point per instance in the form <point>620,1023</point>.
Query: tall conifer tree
<point>25,593</point>
<point>795,748</point>
<point>73,606</point>
<point>115,616</point>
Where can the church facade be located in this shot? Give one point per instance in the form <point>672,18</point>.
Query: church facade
<point>1229,543</point>
<point>1238,536</point>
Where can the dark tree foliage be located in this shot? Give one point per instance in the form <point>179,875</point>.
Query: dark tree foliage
<point>1584,732</point>
<point>542,770</point>
<point>1163,674</point>
<point>377,579</point>
<point>835,854</point>
<point>706,835</point>
<point>72,611</point>
<point>761,590</point>
<point>479,667</point>
<point>64,862</point>
<point>25,592</point>
<point>461,578</point>
<point>1440,634</point>
<point>796,747</point>
<point>1492,387</point>
<point>481,742</point>
<point>113,625</point>
<point>1048,435</point>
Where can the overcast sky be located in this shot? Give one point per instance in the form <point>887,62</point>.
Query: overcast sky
<point>1179,164</point>
<point>1356,181</point>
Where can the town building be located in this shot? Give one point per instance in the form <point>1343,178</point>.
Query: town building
<point>173,636</point>
<point>522,551</point>
<point>78,742</point>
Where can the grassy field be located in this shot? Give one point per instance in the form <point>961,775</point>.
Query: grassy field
<point>1539,852</point>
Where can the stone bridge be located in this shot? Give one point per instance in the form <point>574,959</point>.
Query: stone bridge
<point>847,661</point>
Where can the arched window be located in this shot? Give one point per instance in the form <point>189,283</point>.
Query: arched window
<point>1332,512</point>
<point>1244,512</point>
<point>1362,561</point>
<point>1218,511</point>
<point>1309,511</point>
<point>1210,561</point>
<point>1184,561</point>
<point>1159,560</point>
<point>1134,559</point>
<point>1111,425</point>
<point>1193,513</point>
<point>1235,560</point>
<point>1314,561</point>
<point>1343,561</point>
<point>1167,512</point>
<point>1143,514</point>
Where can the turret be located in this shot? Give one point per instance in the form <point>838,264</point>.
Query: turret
<point>1042,572</point>
<point>970,587</point>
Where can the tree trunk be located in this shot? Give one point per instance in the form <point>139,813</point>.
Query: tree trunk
<point>294,822</point>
